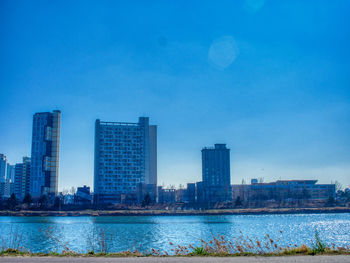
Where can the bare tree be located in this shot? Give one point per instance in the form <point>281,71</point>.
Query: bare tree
<point>72,190</point>
<point>65,191</point>
<point>338,186</point>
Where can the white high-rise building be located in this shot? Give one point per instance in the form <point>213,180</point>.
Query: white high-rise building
<point>125,157</point>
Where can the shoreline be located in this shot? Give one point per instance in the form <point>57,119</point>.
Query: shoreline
<point>247,211</point>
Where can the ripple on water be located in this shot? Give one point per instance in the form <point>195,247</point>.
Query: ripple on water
<point>146,232</point>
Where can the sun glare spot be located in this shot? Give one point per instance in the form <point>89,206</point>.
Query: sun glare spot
<point>223,52</point>
<point>253,6</point>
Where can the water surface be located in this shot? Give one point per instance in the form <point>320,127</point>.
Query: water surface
<point>43,234</point>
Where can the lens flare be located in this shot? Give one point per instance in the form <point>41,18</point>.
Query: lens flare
<point>223,52</point>
<point>253,6</point>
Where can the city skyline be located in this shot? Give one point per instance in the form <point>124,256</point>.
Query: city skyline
<point>269,80</point>
<point>104,130</point>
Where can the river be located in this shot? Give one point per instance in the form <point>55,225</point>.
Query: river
<point>81,234</point>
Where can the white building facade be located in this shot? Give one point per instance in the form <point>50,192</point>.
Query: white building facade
<point>125,157</point>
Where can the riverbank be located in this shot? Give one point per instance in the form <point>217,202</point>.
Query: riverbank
<point>288,259</point>
<point>149,212</point>
<point>220,249</point>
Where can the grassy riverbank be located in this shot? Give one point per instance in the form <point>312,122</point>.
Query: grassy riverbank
<point>219,246</point>
<point>198,251</point>
<point>150,212</point>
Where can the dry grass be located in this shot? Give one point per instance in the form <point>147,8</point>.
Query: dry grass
<point>218,246</point>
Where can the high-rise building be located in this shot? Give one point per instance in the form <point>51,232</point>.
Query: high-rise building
<point>216,173</point>
<point>22,178</point>
<point>125,156</point>
<point>3,166</point>
<point>4,184</point>
<point>10,173</point>
<point>45,153</point>
<point>9,181</point>
<point>7,172</point>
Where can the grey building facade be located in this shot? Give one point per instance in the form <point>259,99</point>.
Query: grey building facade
<point>125,156</point>
<point>6,177</point>
<point>216,173</point>
<point>22,178</point>
<point>83,195</point>
<point>10,173</point>
<point>45,153</point>
<point>3,166</point>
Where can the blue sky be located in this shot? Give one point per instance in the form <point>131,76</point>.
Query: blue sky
<point>269,78</point>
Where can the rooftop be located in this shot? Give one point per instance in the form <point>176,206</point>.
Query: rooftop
<point>217,146</point>
<point>110,123</point>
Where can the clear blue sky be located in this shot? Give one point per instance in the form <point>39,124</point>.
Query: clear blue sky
<point>269,78</point>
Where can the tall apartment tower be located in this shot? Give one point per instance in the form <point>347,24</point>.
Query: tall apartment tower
<point>125,157</point>
<point>3,173</point>
<point>6,177</point>
<point>10,173</point>
<point>3,166</point>
<point>45,153</point>
<point>216,173</point>
<point>22,178</point>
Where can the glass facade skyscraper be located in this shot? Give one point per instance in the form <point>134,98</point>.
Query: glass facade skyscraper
<point>125,156</point>
<point>45,153</point>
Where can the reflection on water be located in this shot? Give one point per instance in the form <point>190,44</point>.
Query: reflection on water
<point>145,232</point>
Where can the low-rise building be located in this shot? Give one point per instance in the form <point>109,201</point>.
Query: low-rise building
<point>189,195</point>
<point>283,190</point>
<point>83,195</point>
<point>166,195</point>
<point>146,192</point>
